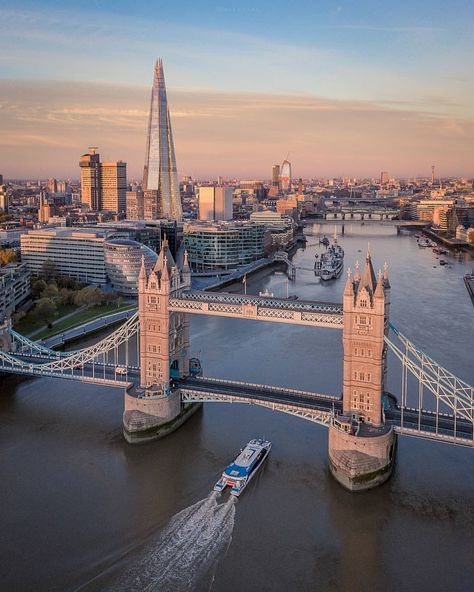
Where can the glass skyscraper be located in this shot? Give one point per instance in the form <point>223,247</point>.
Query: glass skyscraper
<point>160,176</point>
<point>285,176</point>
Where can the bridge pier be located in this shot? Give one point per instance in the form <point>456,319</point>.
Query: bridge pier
<point>361,446</point>
<point>361,461</point>
<point>154,409</point>
<point>151,414</point>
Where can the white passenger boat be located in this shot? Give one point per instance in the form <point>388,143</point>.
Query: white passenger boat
<point>238,474</point>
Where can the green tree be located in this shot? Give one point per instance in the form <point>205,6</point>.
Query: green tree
<point>66,296</point>
<point>109,297</point>
<point>50,291</point>
<point>49,270</point>
<point>45,309</point>
<point>88,296</point>
<point>37,287</point>
<point>66,281</point>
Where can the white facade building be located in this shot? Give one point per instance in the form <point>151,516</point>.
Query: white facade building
<point>215,203</point>
<point>75,252</point>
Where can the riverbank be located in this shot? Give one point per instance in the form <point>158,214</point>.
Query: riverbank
<point>78,318</point>
<point>451,243</point>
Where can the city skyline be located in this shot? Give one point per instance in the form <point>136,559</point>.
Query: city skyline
<point>350,92</point>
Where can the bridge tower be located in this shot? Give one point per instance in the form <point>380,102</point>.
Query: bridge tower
<point>153,408</point>
<point>361,446</point>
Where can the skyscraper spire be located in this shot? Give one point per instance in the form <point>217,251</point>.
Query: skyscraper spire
<point>160,173</point>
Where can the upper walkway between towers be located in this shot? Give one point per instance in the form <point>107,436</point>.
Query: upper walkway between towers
<point>262,308</point>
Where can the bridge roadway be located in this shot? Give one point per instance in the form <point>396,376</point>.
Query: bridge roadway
<point>308,405</point>
<point>260,308</point>
<point>425,424</point>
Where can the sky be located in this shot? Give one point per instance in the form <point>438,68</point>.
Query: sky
<point>340,88</point>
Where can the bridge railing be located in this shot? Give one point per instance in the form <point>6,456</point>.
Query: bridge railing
<point>267,387</point>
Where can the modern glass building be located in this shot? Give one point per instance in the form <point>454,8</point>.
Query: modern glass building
<point>123,259</point>
<point>160,173</point>
<point>285,176</point>
<point>223,245</point>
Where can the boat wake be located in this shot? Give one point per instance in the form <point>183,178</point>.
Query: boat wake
<point>186,550</point>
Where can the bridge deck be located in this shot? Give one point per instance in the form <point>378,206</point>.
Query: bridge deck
<point>318,407</point>
<point>280,310</point>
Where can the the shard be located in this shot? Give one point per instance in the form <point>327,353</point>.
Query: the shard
<point>160,176</point>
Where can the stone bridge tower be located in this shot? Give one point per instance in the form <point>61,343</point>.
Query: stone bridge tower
<point>153,409</point>
<point>361,446</point>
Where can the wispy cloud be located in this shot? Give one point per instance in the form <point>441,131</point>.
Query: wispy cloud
<point>390,29</point>
<point>46,125</point>
<point>66,45</point>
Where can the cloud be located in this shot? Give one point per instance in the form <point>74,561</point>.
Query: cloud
<point>45,126</point>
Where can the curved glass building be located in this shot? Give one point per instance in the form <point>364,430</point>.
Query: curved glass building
<point>123,259</point>
<point>285,176</point>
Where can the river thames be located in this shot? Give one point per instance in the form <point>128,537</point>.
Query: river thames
<point>83,510</point>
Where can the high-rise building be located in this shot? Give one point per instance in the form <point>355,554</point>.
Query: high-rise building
<point>103,185</point>
<point>135,205</point>
<point>62,187</point>
<point>113,185</point>
<point>160,172</point>
<point>3,199</point>
<point>215,203</point>
<point>276,175</point>
<point>285,176</point>
<point>52,185</point>
<point>90,179</point>
<point>384,178</point>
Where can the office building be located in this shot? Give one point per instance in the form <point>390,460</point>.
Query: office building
<point>90,179</point>
<point>276,175</point>
<point>270,218</point>
<point>123,259</point>
<point>215,203</point>
<point>62,187</point>
<point>384,178</point>
<point>113,186</point>
<point>52,185</point>
<point>3,199</point>
<point>46,210</point>
<point>78,253</point>
<point>103,185</point>
<point>285,176</point>
<point>14,287</point>
<point>160,173</point>
<point>223,245</point>
<point>135,205</point>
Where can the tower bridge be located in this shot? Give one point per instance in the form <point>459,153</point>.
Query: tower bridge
<point>161,391</point>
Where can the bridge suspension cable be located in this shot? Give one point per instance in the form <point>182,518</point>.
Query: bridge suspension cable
<point>456,394</point>
<point>79,357</point>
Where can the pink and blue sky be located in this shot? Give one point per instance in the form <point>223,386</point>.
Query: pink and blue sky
<point>343,88</point>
